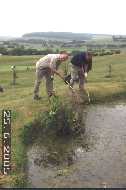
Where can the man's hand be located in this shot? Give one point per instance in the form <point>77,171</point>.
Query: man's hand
<point>85,74</point>
<point>57,73</point>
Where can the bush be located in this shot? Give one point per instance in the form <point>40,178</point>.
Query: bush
<point>59,120</point>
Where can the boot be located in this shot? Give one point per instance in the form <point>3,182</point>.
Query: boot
<point>36,97</point>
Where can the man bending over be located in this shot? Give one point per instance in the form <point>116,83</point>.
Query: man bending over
<point>46,67</point>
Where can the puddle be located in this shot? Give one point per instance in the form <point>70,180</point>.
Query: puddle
<point>97,158</point>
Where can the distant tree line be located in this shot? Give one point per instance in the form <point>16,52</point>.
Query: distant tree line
<point>22,51</point>
<point>31,51</point>
<point>99,52</point>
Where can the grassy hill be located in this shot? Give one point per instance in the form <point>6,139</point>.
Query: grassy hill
<point>58,35</point>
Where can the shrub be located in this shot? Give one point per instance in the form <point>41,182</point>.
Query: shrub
<point>60,119</point>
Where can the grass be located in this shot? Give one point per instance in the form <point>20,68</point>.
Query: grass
<point>19,98</point>
<point>22,62</point>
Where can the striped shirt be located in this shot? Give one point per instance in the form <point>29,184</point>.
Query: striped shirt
<point>49,61</point>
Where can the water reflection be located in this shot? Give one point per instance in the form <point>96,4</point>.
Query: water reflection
<point>89,159</point>
<point>62,150</point>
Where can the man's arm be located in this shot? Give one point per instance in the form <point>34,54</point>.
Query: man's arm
<point>53,68</point>
<point>57,73</point>
<point>84,70</point>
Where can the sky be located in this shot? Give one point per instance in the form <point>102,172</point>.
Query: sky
<point>80,16</point>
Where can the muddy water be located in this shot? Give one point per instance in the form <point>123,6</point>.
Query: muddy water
<point>97,158</point>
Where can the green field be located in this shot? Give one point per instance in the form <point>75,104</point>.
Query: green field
<point>19,98</point>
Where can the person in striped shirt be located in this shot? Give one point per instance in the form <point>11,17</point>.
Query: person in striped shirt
<point>46,67</point>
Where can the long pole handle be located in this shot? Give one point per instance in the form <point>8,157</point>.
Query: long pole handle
<point>69,85</point>
<point>88,96</point>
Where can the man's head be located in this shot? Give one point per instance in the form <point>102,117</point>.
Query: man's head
<point>63,56</point>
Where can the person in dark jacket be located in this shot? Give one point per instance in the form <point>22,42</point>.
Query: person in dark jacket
<point>81,64</point>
